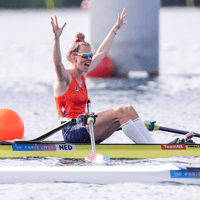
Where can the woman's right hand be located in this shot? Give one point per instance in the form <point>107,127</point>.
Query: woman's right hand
<point>56,29</point>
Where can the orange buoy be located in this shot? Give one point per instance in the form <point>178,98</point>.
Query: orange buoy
<point>104,69</point>
<point>11,125</point>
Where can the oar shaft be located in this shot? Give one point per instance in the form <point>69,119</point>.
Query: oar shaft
<point>92,136</point>
<point>47,134</point>
<point>91,127</point>
<point>177,131</point>
<point>172,130</point>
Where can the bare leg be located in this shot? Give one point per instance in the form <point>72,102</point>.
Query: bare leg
<point>131,112</point>
<point>108,121</point>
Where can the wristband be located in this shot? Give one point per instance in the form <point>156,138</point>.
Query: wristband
<point>114,32</point>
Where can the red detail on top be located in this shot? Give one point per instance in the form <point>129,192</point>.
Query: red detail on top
<point>173,146</point>
<point>79,40</point>
<point>74,100</point>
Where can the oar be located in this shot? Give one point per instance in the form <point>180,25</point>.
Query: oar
<point>94,157</point>
<point>152,126</point>
<point>47,134</point>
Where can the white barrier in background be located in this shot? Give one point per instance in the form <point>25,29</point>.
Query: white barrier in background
<point>135,47</point>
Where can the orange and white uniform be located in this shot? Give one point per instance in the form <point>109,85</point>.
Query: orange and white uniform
<point>73,102</point>
<point>70,105</point>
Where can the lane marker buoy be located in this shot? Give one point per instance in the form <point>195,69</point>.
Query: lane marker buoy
<point>11,125</point>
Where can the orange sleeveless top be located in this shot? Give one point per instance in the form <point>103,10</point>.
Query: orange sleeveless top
<point>73,102</point>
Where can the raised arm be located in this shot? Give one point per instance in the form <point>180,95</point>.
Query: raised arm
<point>57,59</point>
<point>106,44</point>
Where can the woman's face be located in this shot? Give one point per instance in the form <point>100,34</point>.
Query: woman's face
<point>83,64</point>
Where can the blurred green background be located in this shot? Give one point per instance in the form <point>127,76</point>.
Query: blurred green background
<point>20,4</point>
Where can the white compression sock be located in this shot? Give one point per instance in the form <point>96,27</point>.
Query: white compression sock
<point>140,125</point>
<point>133,132</point>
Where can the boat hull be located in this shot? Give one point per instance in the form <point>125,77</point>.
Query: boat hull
<point>114,151</point>
<point>100,174</point>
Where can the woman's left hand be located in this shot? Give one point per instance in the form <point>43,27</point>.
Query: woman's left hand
<point>120,21</point>
<point>190,134</point>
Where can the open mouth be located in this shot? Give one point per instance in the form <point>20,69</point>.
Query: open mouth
<point>87,64</point>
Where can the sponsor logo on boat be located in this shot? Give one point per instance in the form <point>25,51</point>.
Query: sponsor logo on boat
<point>34,147</point>
<point>173,146</point>
<point>43,147</point>
<point>193,146</point>
<point>65,147</point>
<point>185,173</point>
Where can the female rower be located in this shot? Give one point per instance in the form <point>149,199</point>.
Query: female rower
<point>71,94</point>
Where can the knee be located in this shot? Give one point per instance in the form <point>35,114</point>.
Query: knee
<point>129,109</point>
<point>120,112</point>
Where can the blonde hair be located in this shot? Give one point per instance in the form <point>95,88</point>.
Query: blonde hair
<point>80,41</point>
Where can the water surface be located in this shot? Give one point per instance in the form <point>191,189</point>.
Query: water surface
<point>172,99</point>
